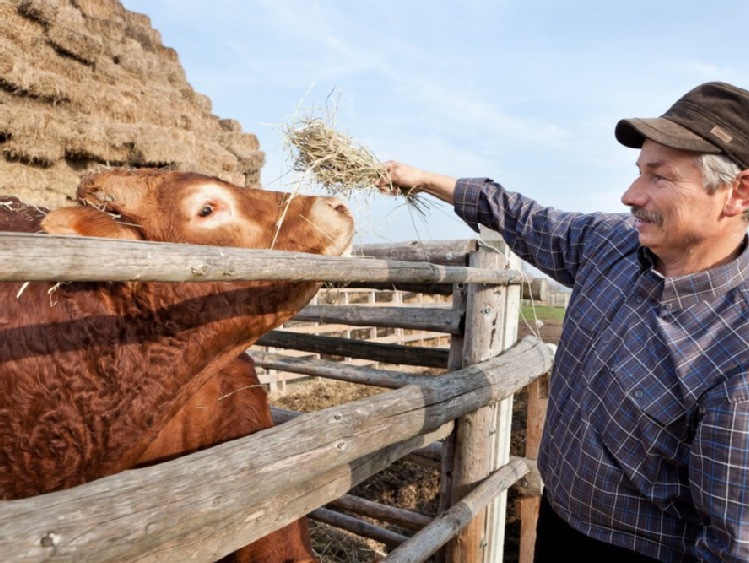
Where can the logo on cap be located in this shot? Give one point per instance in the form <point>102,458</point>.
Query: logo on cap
<point>721,133</point>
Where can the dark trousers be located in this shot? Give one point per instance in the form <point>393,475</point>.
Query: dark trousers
<point>558,542</point>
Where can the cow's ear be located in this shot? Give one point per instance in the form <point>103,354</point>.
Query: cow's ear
<point>87,222</point>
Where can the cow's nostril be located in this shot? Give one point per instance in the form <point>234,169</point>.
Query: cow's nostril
<point>338,206</point>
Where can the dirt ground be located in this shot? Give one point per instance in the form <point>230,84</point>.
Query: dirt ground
<point>404,484</point>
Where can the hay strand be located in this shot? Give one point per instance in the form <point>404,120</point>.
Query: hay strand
<point>338,164</point>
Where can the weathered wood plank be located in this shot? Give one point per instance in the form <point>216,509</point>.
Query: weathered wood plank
<point>336,370</point>
<point>530,502</point>
<point>208,504</point>
<point>405,518</point>
<point>444,252</point>
<point>531,485</point>
<point>454,363</point>
<point>358,527</point>
<point>533,288</point>
<point>425,542</point>
<point>435,319</point>
<point>349,348</point>
<point>56,258</point>
<point>483,339</point>
<point>425,288</point>
<point>502,431</point>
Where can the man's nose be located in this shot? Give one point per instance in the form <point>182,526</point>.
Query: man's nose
<point>635,195</point>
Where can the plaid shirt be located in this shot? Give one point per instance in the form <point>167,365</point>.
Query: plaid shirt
<point>646,443</point>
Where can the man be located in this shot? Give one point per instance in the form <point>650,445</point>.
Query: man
<point>645,452</point>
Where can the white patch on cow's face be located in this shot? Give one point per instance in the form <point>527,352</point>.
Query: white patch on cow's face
<point>215,217</point>
<point>210,206</point>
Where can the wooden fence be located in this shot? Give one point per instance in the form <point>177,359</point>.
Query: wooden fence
<point>208,504</point>
<point>342,312</point>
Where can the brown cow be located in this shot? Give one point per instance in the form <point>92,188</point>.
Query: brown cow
<point>98,378</point>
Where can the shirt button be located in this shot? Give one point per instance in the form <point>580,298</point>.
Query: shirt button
<point>638,394</point>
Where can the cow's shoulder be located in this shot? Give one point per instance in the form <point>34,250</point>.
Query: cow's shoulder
<point>17,216</point>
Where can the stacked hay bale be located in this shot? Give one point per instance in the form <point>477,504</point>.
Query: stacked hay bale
<point>86,84</point>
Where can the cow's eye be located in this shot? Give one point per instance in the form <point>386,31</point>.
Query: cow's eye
<point>205,211</point>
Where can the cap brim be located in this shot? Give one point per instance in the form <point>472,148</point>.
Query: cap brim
<point>633,132</point>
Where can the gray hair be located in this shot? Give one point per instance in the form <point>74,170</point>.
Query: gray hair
<point>718,172</point>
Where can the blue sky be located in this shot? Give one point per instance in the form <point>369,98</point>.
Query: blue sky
<point>525,92</point>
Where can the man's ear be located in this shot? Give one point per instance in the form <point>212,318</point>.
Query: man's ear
<point>87,222</point>
<point>738,198</point>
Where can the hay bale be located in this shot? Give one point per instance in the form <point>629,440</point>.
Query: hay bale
<point>128,54</point>
<point>211,156</point>
<point>42,57</point>
<point>50,187</point>
<point>21,77</point>
<point>160,147</point>
<point>84,84</point>
<point>230,125</point>
<point>138,26</point>
<point>101,143</point>
<point>79,45</point>
<point>239,144</point>
<point>43,11</point>
<point>111,30</point>
<point>251,163</point>
<point>18,29</point>
<point>167,54</point>
<point>100,9</point>
<point>35,150</point>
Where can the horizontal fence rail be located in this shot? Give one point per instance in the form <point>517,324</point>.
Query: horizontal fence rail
<point>337,370</point>
<point>444,252</point>
<point>530,484</point>
<point>210,503</point>
<point>59,258</point>
<point>536,289</point>
<point>437,319</point>
<point>375,351</point>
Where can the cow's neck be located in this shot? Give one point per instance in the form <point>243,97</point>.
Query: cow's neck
<point>201,327</point>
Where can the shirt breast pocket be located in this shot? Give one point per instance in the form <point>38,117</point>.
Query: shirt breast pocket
<point>646,413</point>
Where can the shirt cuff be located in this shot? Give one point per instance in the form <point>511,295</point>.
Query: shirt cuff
<point>466,202</point>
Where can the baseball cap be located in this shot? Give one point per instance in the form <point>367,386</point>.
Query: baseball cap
<point>711,118</point>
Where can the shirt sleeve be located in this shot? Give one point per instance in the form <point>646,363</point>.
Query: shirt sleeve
<point>719,476</point>
<point>553,241</point>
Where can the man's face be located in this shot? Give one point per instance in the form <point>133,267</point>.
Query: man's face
<point>676,218</point>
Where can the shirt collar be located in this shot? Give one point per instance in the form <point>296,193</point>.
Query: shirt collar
<point>683,291</point>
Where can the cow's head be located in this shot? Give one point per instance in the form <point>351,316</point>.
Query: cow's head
<point>195,209</point>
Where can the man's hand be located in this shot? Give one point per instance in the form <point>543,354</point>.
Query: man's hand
<point>402,175</point>
<point>411,178</point>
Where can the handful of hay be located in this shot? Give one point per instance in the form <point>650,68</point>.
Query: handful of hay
<point>338,164</point>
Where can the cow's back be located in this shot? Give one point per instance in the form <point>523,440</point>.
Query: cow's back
<point>19,217</point>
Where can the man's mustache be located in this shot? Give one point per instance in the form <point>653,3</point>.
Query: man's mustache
<point>648,216</point>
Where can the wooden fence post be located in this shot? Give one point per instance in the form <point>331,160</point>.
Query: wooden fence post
<point>454,363</point>
<point>483,339</point>
<point>509,317</point>
<point>538,396</point>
